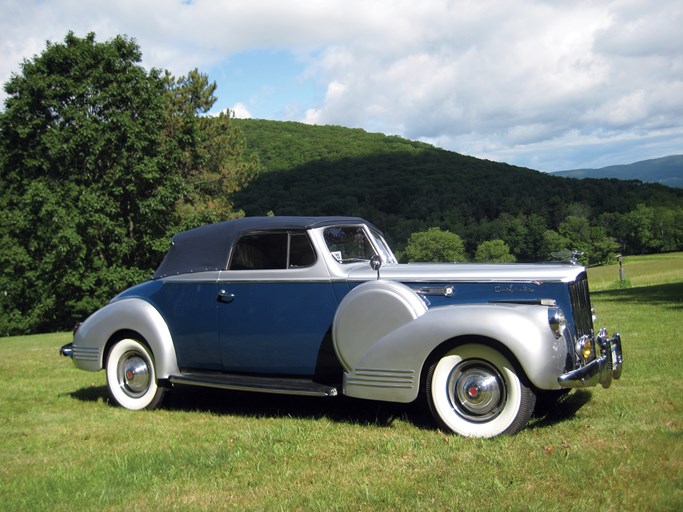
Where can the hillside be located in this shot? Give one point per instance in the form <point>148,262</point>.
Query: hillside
<point>405,186</point>
<point>666,171</point>
<point>283,146</point>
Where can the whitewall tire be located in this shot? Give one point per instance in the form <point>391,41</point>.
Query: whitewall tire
<point>473,390</point>
<point>131,377</point>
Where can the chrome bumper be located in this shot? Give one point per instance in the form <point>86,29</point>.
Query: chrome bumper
<point>602,369</point>
<point>67,350</point>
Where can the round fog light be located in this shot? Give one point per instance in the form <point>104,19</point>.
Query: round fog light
<point>584,347</point>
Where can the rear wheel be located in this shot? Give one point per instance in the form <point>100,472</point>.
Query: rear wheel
<point>474,391</point>
<point>131,377</point>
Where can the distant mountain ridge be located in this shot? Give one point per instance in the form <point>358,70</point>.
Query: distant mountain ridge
<point>667,171</point>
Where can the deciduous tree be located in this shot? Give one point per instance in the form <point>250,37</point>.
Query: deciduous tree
<point>100,161</point>
<point>434,245</point>
<point>85,188</point>
<point>494,251</point>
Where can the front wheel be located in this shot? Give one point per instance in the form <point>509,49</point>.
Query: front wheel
<point>131,377</point>
<point>474,391</point>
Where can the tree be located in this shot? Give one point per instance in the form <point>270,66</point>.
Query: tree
<point>603,248</point>
<point>210,152</point>
<point>222,168</point>
<point>641,236</point>
<point>522,233</point>
<point>97,158</point>
<point>553,242</point>
<point>669,228</point>
<point>434,245</point>
<point>85,189</point>
<point>494,251</point>
<point>590,240</point>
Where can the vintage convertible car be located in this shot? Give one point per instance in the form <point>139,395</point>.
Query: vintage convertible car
<point>319,306</point>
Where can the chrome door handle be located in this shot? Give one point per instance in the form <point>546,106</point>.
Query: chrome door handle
<point>225,296</point>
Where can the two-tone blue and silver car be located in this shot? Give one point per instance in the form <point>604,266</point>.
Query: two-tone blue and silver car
<point>319,306</point>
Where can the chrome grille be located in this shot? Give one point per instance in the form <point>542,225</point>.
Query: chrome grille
<point>581,306</point>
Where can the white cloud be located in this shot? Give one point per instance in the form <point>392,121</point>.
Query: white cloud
<point>240,111</point>
<point>514,80</point>
<point>534,74</point>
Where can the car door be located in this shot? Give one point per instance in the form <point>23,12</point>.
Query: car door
<point>189,306</point>
<point>276,305</point>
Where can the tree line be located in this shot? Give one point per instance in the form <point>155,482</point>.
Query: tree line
<point>102,161</point>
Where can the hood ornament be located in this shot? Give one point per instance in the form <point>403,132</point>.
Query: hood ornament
<point>571,257</point>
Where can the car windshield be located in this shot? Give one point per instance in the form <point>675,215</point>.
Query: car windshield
<point>348,244</point>
<point>386,254</point>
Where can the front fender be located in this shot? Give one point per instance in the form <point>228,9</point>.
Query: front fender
<point>391,368</point>
<point>132,314</point>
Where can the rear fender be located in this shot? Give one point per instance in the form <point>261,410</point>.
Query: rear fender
<point>133,314</point>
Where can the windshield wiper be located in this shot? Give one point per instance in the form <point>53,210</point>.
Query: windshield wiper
<point>353,260</point>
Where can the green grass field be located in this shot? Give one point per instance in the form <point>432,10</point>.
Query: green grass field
<point>64,447</point>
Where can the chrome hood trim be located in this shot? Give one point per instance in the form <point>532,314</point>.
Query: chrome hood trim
<point>478,272</point>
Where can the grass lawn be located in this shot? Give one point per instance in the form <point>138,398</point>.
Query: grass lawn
<point>64,447</point>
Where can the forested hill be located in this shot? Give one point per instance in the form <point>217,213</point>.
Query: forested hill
<point>286,145</point>
<point>405,186</point>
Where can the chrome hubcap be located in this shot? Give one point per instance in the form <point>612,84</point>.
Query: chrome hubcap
<point>133,374</point>
<point>476,390</point>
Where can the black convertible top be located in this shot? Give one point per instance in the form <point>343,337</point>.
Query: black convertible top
<point>208,247</point>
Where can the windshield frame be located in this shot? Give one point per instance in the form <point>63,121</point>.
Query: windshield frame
<point>372,239</point>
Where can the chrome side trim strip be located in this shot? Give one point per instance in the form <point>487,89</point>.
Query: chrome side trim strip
<point>86,353</point>
<point>282,386</point>
<point>372,377</point>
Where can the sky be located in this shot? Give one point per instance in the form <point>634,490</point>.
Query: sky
<point>550,85</point>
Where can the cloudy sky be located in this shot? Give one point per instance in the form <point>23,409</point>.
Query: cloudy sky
<point>545,84</point>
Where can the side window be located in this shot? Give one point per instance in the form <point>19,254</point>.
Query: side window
<point>259,252</point>
<point>301,254</point>
<point>272,251</point>
<point>348,244</point>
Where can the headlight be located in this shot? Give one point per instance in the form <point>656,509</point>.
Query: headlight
<point>557,321</point>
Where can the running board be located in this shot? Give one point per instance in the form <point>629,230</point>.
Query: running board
<point>279,385</point>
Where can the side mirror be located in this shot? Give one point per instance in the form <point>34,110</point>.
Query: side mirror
<point>376,264</point>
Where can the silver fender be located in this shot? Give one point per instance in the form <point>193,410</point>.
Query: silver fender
<point>131,314</point>
<point>391,367</point>
<point>368,313</point>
